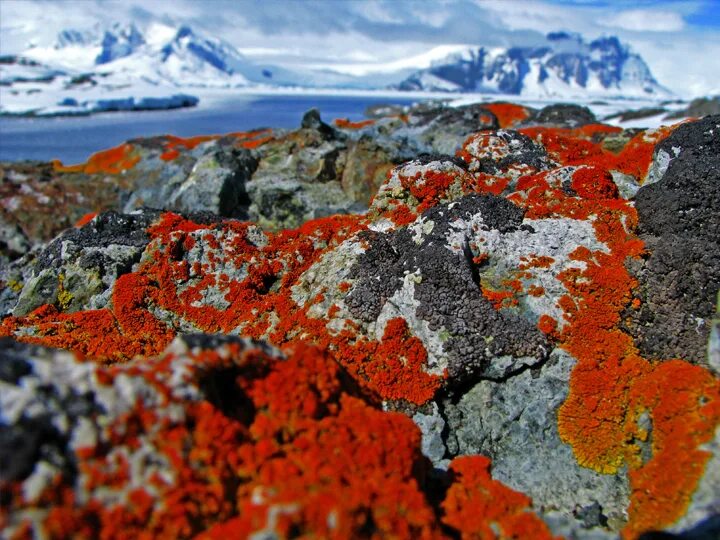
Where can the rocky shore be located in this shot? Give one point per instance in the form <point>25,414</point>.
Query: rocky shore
<point>487,321</point>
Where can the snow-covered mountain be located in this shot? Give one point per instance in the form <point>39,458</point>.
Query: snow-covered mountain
<point>122,66</point>
<point>566,66</point>
<point>161,56</point>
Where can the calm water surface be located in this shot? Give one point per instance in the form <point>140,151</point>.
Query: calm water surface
<point>72,140</point>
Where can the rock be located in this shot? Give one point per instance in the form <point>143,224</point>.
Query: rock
<point>298,176</point>
<point>445,130</point>
<point>505,153</point>
<point>698,108</point>
<point>636,114</point>
<point>714,345</point>
<point>215,183</point>
<point>203,425</point>
<point>311,120</point>
<point>38,203</point>
<point>78,269</point>
<point>564,115</point>
<point>366,168</point>
<point>511,300</point>
<point>678,223</point>
<point>383,110</point>
<point>13,241</point>
<point>512,419</point>
<point>432,426</point>
<point>434,268</point>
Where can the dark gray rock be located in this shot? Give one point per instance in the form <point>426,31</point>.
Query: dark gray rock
<point>311,120</point>
<point>445,129</point>
<point>78,269</point>
<point>212,179</point>
<point>698,107</point>
<point>564,115</point>
<point>679,223</point>
<point>447,289</point>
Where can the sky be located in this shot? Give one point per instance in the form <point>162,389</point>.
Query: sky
<point>679,39</point>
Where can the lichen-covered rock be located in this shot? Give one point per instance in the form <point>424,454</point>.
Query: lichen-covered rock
<point>516,418</point>
<point>500,299</point>
<point>78,269</point>
<point>220,437</point>
<point>445,130</point>
<point>679,223</point>
<point>433,267</point>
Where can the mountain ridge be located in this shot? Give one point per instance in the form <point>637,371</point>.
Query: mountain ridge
<point>87,69</point>
<point>566,65</point>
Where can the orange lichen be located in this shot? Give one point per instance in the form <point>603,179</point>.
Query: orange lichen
<point>255,143</point>
<point>345,123</point>
<point>401,215</point>
<point>93,333</point>
<point>580,146</point>
<point>337,466</point>
<point>170,155</point>
<point>344,286</point>
<point>508,114</point>
<point>536,290</point>
<point>394,368</point>
<point>547,325</point>
<point>253,139</point>
<point>487,183</point>
<point>431,187</point>
<point>535,261</point>
<point>478,507</point>
<point>500,298</point>
<point>299,455</point>
<point>244,139</point>
<point>85,219</point>
<point>594,183</point>
<point>397,367</point>
<point>610,385</point>
<point>112,161</point>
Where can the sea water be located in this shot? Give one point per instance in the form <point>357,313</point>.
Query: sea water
<point>73,139</point>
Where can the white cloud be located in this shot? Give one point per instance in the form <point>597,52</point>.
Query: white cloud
<point>645,20</point>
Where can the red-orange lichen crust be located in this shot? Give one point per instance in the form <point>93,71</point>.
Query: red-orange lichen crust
<point>508,114</point>
<point>484,509</point>
<point>112,161</point>
<point>124,157</point>
<point>292,449</point>
<point>393,368</point>
<point>85,219</point>
<point>428,188</point>
<point>297,452</point>
<point>244,139</point>
<point>583,146</point>
<point>346,123</point>
<point>615,393</point>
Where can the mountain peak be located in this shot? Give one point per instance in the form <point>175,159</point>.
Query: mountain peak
<point>118,42</point>
<point>184,31</point>
<point>567,67</point>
